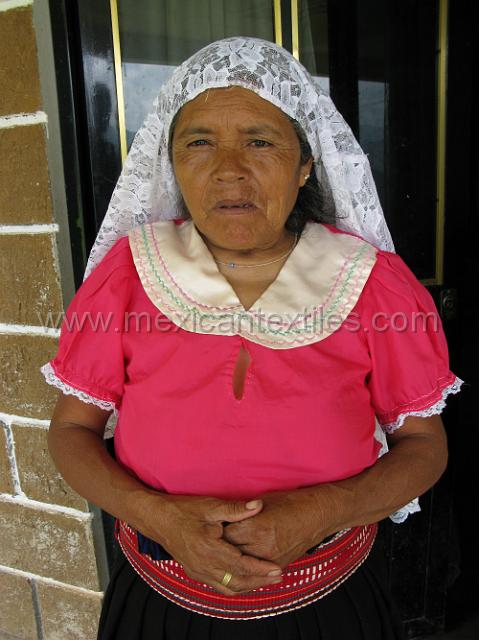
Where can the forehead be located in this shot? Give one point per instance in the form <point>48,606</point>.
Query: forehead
<point>231,103</point>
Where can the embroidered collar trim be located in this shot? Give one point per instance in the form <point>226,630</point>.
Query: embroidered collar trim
<point>314,292</point>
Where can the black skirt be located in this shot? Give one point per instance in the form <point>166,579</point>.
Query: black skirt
<point>360,609</point>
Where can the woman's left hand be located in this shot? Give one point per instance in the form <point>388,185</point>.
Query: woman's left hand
<point>290,523</point>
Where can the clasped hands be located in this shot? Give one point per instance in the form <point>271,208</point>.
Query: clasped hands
<point>252,541</point>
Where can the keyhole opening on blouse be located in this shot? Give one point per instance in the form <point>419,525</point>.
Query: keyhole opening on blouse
<point>239,374</point>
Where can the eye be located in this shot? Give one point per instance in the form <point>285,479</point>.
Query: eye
<point>198,143</point>
<point>261,144</point>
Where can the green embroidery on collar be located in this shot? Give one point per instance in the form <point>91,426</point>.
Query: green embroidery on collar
<point>251,315</point>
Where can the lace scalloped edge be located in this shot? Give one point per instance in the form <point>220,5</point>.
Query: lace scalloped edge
<point>400,515</point>
<point>436,408</point>
<point>51,378</point>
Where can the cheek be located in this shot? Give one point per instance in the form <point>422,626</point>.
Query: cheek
<point>279,179</point>
<point>190,177</point>
<point>196,192</point>
<point>284,165</point>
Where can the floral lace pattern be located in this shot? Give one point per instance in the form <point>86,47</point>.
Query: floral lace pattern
<point>51,378</point>
<point>147,190</point>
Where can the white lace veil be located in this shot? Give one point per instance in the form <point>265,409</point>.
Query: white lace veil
<point>147,190</point>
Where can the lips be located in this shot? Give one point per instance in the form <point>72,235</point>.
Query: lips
<point>234,204</point>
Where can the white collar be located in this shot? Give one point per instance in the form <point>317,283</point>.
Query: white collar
<point>315,290</point>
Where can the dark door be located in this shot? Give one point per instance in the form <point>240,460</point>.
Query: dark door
<point>385,65</point>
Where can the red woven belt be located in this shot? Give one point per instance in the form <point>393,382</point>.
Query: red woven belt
<point>304,581</point>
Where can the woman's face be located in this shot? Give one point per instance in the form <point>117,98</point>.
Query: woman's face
<point>236,158</point>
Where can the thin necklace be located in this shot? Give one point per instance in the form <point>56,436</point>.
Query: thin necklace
<point>235,264</point>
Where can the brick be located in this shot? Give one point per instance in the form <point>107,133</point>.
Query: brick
<point>24,180</point>
<point>39,478</point>
<point>17,614</point>
<point>27,273</point>
<point>6,485</point>
<point>53,545</point>
<point>68,614</point>
<point>18,63</point>
<point>24,390</point>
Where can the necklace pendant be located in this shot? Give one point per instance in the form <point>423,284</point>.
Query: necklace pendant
<point>231,264</point>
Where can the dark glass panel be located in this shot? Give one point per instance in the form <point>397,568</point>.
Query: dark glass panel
<point>381,62</point>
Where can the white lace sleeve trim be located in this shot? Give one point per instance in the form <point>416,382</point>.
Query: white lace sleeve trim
<point>402,514</point>
<point>429,411</point>
<point>51,378</point>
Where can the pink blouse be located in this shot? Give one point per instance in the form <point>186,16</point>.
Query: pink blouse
<point>312,398</point>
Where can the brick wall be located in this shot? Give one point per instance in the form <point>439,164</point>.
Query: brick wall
<point>49,581</point>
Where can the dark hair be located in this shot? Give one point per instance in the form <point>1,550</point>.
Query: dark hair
<point>309,203</point>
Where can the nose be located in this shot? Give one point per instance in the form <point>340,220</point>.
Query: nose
<point>230,166</point>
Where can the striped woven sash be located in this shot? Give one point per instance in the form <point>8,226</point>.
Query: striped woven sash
<point>304,581</point>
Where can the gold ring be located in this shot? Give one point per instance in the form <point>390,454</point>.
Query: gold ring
<point>226,578</point>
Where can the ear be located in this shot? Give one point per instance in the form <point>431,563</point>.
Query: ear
<point>305,170</point>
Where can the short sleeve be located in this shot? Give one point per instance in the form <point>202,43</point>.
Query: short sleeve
<point>89,363</point>
<point>410,372</point>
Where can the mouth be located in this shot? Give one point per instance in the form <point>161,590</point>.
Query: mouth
<point>235,206</point>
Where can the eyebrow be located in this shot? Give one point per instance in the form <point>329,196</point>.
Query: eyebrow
<point>254,130</point>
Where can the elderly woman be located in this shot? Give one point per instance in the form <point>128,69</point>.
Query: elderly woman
<point>239,317</point>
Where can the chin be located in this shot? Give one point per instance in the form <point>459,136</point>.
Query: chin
<point>232,229</point>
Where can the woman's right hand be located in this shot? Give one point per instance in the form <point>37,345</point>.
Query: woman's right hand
<point>190,528</point>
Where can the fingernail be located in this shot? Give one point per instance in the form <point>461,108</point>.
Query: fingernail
<point>253,504</point>
<point>276,572</point>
